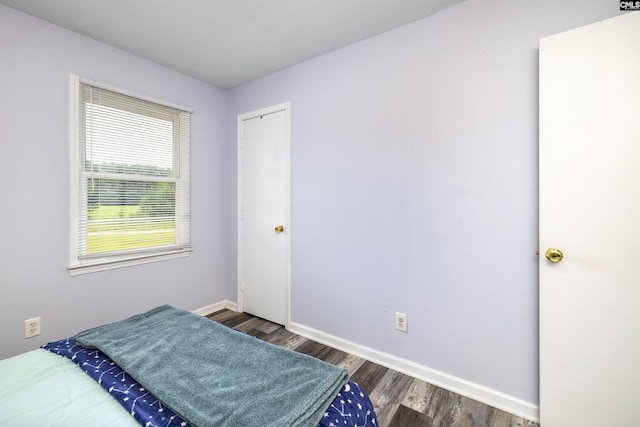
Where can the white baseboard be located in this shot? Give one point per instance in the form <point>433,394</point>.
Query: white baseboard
<point>449,382</point>
<point>212,308</point>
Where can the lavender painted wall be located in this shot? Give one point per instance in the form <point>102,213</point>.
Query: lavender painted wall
<point>36,59</point>
<point>414,158</point>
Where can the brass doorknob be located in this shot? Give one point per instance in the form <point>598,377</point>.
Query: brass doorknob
<point>279,228</point>
<point>554,255</point>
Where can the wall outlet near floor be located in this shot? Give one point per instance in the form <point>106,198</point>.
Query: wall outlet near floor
<point>32,327</point>
<point>401,322</point>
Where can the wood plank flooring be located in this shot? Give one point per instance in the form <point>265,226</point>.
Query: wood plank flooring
<point>399,400</point>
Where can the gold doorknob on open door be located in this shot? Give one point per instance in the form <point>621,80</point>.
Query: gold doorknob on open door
<point>554,255</point>
<point>279,228</point>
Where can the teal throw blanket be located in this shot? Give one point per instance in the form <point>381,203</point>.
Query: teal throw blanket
<point>212,375</point>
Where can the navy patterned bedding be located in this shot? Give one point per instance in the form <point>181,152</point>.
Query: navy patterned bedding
<point>351,407</point>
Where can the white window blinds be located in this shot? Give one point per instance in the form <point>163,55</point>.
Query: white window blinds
<point>132,178</point>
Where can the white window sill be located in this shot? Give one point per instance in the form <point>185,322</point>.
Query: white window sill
<point>93,266</point>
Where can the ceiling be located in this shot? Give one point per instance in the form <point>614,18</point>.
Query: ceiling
<point>229,42</point>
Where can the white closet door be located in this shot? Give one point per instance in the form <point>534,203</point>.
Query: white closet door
<point>264,207</point>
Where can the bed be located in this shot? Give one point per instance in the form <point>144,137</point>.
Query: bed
<point>168,367</point>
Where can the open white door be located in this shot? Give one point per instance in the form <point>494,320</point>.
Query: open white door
<point>590,210</point>
<point>264,235</point>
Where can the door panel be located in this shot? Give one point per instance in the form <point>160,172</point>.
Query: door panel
<point>590,209</point>
<point>264,206</point>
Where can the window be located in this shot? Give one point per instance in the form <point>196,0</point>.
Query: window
<point>129,179</point>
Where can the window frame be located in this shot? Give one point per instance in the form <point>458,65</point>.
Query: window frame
<point>82,264</point>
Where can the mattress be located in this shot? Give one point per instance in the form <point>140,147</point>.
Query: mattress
<point>40,388</point>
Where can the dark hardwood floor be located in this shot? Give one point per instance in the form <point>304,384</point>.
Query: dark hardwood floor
<point>399,400</point>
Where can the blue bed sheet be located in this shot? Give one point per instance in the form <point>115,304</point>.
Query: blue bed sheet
<point>351,407</point>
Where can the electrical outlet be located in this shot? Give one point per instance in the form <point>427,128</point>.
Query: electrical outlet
<point>401,322</point>
<point>32,327</point>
